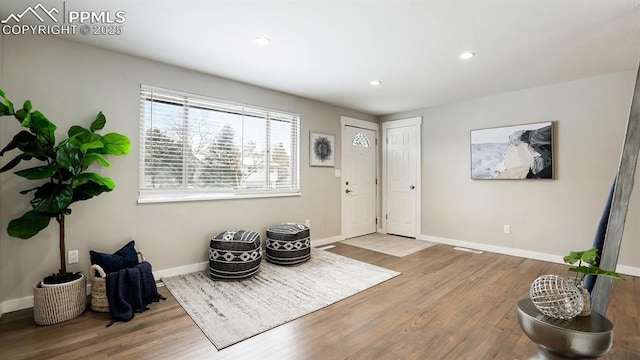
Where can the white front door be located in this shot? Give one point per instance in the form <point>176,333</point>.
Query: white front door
<point>401,155</point>
<point>358,181</point>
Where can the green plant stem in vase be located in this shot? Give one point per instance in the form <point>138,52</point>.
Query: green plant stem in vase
<point>586,265</point>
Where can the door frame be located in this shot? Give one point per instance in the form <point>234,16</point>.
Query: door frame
<point>416,122</point>
<point>348,121</point>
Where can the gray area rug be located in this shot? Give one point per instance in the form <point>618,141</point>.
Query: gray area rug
<point>389,244</point>
<point>229,312</point>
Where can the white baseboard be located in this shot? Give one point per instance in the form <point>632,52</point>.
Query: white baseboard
<point>16,304</point>
<point>27,302</point>
<point>180,270</point>
<point>628,270</point>
<point>623,269</point>
<point>325,241</point>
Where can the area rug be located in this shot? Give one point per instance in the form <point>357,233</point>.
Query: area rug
<point>228,312</point>
<point>389,244</point>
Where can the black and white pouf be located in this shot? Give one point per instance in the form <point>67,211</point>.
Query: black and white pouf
<point>288,244</point>
<point>235,255</point>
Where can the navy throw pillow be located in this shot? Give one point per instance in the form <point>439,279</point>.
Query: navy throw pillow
<point>124,258</point>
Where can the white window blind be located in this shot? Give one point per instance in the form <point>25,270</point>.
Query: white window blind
<point>192,144</point>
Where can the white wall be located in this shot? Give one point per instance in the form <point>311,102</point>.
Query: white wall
<point>70,83</point>
<point>546,216</point>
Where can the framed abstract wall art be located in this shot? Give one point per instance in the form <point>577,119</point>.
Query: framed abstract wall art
<point>321,149</point>
<point>513,152</point>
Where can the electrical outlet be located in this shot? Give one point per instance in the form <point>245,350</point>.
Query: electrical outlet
<point>73,257</point>
<point>307,223</point>
<point>507,229</point>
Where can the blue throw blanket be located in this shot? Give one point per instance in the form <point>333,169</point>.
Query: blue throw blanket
<point>130,290</point>
<point>598,240</point>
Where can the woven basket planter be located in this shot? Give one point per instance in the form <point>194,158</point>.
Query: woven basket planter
<point>99,301</point>
<point>53,305</point>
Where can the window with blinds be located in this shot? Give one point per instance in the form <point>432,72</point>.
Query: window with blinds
<point>193,145</point>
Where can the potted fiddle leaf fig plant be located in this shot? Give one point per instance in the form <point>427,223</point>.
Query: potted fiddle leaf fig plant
<point>586,265</point>
<point>62,177</point>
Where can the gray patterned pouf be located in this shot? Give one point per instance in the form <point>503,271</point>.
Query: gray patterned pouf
<point>288,244</point>
<point>235,255</point>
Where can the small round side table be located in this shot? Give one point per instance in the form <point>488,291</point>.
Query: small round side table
<point>583,337</point>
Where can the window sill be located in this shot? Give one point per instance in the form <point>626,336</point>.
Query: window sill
<point>150,198</point>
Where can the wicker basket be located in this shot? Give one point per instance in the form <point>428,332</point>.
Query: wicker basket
<point>53,305</point>
<point>99,301</point>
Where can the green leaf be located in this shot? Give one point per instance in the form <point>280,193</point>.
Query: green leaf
<point>116,144</point>
<point>98,123</point>
<point>44,129</point>
<point>52,198</point>
<point>88,190</point>
<point>590,256</point>
<point>37,173</point>
<point>6,108</point>
<point>13,163</point>
<point>24,118</point>
<point>90,158</point>
<point>69,157</point>
<point>27,106</point>
<point>28,225</point>
<point>95,178</point>
<point>21,140</point>
<point>75,130</point>
<point>28,144</point>
<point>93,141</point>
<point>594,270</point>
<point>572,258</point>
<point>587,256</point>
<point>9,106</point>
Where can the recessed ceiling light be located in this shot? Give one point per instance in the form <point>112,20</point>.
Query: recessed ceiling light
<point>467,55</point>
<point>376,83</point>
<point>262,40</point>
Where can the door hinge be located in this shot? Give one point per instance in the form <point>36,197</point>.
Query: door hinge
<point>376,221</point>
<point>376,181</point>
<point>386,216</point>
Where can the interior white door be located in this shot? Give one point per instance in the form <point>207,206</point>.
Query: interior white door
<point>401,195</point>
<point>359,181</point>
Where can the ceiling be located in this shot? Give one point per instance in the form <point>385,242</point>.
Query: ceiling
<point>330,50</point>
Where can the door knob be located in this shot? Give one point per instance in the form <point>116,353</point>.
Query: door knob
<point>412,187</point>
<point>348,191</point>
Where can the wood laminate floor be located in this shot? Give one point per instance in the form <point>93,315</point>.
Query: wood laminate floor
<point>447,304</point>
